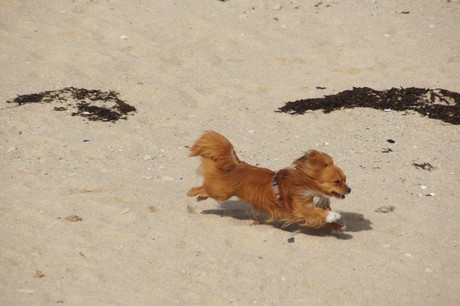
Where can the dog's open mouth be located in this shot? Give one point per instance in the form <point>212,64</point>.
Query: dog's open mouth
<point>338,195</point>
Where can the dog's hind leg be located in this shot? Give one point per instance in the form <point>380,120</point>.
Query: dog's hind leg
<point>199,192</point>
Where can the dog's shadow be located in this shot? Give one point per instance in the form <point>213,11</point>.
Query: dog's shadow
<point>240,210</point>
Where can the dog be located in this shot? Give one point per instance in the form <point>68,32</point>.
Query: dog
<point>298,194</point>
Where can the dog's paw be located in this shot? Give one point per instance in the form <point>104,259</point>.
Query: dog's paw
<point>339,228</point>
<point>336,228</point>
<point>332,217</point>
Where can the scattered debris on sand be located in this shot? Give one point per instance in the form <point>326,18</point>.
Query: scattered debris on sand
<point>73,218</point>
<point>424,166</point>
<point>385,209</point>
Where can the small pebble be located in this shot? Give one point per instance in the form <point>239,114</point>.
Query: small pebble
<point>125,211</point>
<point>431,194</point>
<point>291,240</point>
<point>408,254</point>
<point>423,187</point>
<point>123,37</point>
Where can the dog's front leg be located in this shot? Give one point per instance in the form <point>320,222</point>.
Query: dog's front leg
<point>312,216</point>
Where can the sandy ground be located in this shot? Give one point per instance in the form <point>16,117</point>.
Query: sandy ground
<point>188,66</point>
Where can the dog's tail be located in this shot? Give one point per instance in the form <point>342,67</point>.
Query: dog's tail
<point>214,146</point>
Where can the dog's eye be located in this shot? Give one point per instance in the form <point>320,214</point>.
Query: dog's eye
<point>338,182</point>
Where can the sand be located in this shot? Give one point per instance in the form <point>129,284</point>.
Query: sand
<point>96,213</point>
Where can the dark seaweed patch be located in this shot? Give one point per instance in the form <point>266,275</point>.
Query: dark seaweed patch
<point>438,103</point>
<point>96,113</point>
<point>91,104</point>
<point>32,98</point>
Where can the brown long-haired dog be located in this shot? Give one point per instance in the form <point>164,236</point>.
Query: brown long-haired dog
<point>299,194</point>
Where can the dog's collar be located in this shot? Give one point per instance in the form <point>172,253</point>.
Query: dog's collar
<point>275,187</point>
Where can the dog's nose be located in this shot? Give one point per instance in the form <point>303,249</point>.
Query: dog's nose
<point>348,190</point>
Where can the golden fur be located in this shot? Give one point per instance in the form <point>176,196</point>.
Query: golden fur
<point>304,189</point>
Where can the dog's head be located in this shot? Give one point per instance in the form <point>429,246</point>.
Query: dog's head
<point>330,179</point>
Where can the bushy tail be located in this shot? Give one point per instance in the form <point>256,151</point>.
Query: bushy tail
<point>214,146</point>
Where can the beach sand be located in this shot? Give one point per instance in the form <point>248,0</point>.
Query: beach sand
<point>96,213</point>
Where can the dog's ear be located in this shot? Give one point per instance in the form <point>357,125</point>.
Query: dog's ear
<point>319,160</point>
<point>312,162</point>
